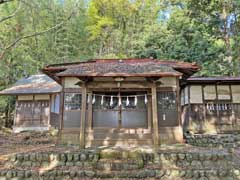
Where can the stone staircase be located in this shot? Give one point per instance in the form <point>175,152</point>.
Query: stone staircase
<point>116,163</point>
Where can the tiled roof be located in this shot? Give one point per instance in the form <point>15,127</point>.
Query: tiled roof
<point>35,84</point>
<point>125,67</point>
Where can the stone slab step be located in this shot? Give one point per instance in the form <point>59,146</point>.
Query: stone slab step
<point>119,142</point>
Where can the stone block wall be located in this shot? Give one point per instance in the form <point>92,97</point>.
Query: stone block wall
<point>88,164</point>
<point>213,140</point>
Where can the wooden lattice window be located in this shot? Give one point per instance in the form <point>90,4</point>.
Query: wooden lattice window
<point>167,100</point>
<point>167,109</point>
<point>72,101</point>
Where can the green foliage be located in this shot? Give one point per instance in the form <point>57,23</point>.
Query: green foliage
<point>206,32</point>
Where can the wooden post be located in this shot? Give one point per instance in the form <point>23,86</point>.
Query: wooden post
<point>33,111</point>
<point>15,112</point>
<point>204,120</point>
<point>90,111</point>
<point>233,115</point>
<point>189,107</point>
<point>155,116</point>
<point>217,102</point>
<point>178,101</point>
<point>119,111</point>
<point>83,116</point>
<point>149,112</point>
<point>61,110</point>
<point>50,109</point>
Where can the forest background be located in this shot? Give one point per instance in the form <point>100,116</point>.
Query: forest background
<point>34,33</point>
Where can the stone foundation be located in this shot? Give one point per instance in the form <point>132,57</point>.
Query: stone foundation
<point>214,164</point>
<point>18,129</point>
<point>213,140</point>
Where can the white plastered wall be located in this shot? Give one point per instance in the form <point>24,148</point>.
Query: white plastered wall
<point>223,92</point>
<point>70,82</point>
<point>196,94</point>
<point>235,93</point>
<point>168,82</point>
<point>210,92</point>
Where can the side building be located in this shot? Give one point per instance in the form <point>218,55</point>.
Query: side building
<point>211,104</point>
<point>37,103</point>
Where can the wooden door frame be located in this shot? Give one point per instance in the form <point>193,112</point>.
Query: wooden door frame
<point>148,109</point>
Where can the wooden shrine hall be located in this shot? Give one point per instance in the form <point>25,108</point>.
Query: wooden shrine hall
<point>129,102</point>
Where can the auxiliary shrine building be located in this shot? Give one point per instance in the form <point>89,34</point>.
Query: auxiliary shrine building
<point>132,102</point>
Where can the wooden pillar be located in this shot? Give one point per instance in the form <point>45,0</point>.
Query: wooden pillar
<point>15,112</point>
<point>50,109</point>
<point>149,112</point>
<point>90,112</point>
<point>119,111</point>
<point>178,101</point>
<point>189,107</point>
<point>83,116</point>
<point>204,105</point>
<point>155,116</point>
<point>217,102</point>
<point>233,115</point>
<point>61,110</point>
<point>33,112</point>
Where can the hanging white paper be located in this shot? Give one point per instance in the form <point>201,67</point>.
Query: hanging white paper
<point>102,100</point>
<point>211,107</point>
<point>119,101</point>
<point>127,102</point>
<point>88,99</point>
<point>94,99</point>
<point>225,106</point>
<point>145,99</point>
<point>111,101</point>
<point>135,101</point>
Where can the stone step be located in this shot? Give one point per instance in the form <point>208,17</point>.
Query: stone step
<point>118,165</point>
<point>118,136</point>
<point>138,131</point>
<point>119,142</point>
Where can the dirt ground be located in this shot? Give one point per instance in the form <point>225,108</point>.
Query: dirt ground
<point>11,143</point>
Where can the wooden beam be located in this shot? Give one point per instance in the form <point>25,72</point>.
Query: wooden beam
<point>155,116</point>
<point>84,80</point>
<point>153,79</point>
<point>83,116</point>
<point>129,84</point>
<point>72,90</point>
<point>143,90</point>
<point>159,88</point>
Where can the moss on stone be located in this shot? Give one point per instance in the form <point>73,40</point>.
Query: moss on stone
<point>110,154</point>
